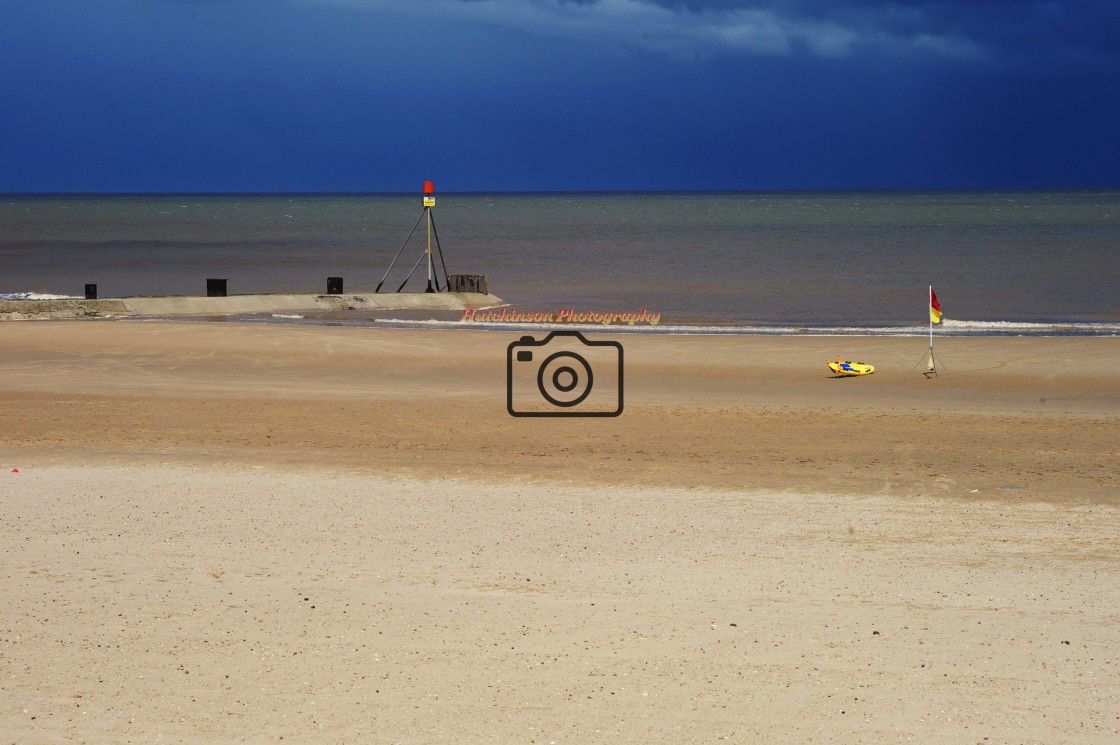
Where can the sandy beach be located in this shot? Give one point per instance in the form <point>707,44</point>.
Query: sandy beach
<point>229,532</point>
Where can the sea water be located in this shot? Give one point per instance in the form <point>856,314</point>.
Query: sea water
<point>730,262</point>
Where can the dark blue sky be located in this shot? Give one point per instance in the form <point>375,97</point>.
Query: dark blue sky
<point>498,95</point>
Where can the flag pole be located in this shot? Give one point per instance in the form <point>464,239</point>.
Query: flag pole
<point>931,368</point>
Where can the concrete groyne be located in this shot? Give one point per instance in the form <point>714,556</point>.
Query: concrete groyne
<point>172,305</point>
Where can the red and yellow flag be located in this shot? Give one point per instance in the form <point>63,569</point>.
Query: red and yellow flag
<point>934,307</point>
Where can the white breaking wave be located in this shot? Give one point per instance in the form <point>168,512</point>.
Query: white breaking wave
<point>983,328</point>
<point>946,328</point>
<point>35,296</point>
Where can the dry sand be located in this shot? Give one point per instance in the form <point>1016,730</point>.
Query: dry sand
<point>242,533</point>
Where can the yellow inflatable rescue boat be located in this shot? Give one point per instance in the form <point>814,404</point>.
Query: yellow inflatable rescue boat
<point>850,368</point>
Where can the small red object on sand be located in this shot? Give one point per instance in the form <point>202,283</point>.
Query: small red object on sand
<point>15,470</point>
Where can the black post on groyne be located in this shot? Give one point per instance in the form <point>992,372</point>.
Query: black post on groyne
<point>215,288</point>
<point>334,285</point>
<point>91,292</point>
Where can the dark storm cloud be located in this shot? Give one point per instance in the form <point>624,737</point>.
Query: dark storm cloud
<point>297,95</point>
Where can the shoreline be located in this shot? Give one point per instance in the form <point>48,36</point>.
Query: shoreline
<point>744,328</point>
<point>353,311</point>
<point>484,312</point>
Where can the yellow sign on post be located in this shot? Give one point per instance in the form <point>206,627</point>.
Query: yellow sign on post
<point>429,201</point>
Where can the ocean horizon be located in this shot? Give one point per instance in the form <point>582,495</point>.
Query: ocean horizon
<point>714,261</point>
